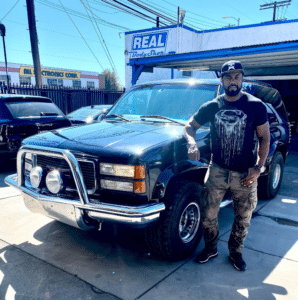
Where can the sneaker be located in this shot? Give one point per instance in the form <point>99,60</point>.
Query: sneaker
<point>205,255</point>
<point>237,261</point>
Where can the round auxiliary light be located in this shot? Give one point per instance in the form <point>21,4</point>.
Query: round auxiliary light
<point>36,176</point>
<point>54,182</point>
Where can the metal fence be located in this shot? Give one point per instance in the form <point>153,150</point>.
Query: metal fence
<point>69,99</point>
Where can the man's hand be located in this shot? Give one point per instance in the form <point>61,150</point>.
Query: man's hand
<point>193,152</point>
<point>251,178</point>
<point>190,134</point>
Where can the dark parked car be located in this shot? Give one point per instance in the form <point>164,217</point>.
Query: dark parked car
<point>22,116</point>
<point>88,114</point>
<point>132,167</point>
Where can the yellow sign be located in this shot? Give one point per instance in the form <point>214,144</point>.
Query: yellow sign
<point>50,73</point>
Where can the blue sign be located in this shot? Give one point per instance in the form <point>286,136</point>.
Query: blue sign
<point>149,41</point>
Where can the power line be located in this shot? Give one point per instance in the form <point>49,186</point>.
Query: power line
<point>275,5</point>
<point>174,14</point>
<point>103,43</point>
<point>233,7</point>
<point>195,13</point>
<point>78,14</point>
<point>63,33</point>
<point>160,13</point>
<point>195,20</point>
<point>10,10</point>
<point>81,35</point>
<point>104,12</point>
<point>152,11</point>
<point>140,14</point>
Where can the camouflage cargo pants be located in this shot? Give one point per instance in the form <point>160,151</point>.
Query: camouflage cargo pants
<point>217,182</point>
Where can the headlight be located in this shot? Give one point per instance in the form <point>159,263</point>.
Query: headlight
<point>36,176</point>
<point>54,182</point>
<point>136,172</point>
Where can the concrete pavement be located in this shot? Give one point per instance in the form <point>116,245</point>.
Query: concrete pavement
<point>44,259</point>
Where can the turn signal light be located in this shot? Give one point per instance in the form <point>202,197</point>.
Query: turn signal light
<point>139,187</point>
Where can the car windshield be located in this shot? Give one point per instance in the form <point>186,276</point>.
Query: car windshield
<point>31,109</point>
<point>175,101</point>
<point>85,112</point>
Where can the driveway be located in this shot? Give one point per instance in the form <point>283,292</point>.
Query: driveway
<point>44,259</point>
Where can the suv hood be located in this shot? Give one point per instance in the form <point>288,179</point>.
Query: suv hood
<point>136,136</point>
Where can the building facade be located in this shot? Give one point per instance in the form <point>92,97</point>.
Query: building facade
<point>268,51</point>
<point>24,75</point>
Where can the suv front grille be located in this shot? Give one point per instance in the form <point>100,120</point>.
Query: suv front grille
<point>88,171</point>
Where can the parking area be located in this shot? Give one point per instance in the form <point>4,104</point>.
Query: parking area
<point>44,259</point>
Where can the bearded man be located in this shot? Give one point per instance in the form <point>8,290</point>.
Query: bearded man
<point>234,118</point>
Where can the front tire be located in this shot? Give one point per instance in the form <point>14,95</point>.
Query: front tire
<point>178,231</point>
<point>269,185</point>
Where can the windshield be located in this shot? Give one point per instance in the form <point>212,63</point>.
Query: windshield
<point>32,109</point>
<point>85,112</point>
<point>175,101</point>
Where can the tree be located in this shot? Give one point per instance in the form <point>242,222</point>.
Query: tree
<point>111,81</point>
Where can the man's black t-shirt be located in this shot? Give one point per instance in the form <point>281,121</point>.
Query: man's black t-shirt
<point>232,127</point>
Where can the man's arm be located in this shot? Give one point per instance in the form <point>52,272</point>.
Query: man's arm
<point>190,130</point>
<point>263,133</point>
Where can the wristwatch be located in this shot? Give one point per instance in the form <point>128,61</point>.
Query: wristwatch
<point>259,167</point>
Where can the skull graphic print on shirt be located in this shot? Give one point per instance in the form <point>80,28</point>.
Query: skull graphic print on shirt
<point>230,126</point>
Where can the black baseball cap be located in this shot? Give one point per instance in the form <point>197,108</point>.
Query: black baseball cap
<point>231,66</point>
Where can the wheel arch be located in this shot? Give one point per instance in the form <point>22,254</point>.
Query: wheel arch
<point>277,146</point>
<point>172,174</point>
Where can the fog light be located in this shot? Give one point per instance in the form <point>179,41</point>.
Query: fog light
<point>54,182</point>
<point>36,176</point>
<point>116,185</point>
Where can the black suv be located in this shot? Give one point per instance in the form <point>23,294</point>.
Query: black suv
<point>22,116</point>
<point>132,168</point>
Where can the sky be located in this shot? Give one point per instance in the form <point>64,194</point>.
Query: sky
<point>69,39</point>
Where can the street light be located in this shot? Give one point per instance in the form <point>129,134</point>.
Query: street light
<point>238,20</point>
<point>182,15</point>
<point>2,33</point>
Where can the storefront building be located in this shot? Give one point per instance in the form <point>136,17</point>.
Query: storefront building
<point>24,75</point>
<point>268,52</point>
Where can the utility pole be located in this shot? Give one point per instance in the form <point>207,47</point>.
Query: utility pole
<point>34,41</point>
<point>2,33</point>
<point>275,5</point>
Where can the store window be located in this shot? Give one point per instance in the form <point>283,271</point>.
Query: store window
<point>76,83</point>
<point>25,80</point>
<point>186,73</point>
<point>54,82</point>
<point>90,84</point>
<point>3,79</point>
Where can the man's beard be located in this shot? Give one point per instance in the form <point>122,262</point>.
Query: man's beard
<point>233,93</point>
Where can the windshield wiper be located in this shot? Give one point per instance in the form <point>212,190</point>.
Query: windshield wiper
<point>162,117</point>
<point>48,114</point>
<point>119,116</point>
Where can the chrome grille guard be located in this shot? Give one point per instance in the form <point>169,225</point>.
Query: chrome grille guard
<point>74,212</point>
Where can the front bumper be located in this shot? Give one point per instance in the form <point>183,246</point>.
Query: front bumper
<point>81,214</point>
